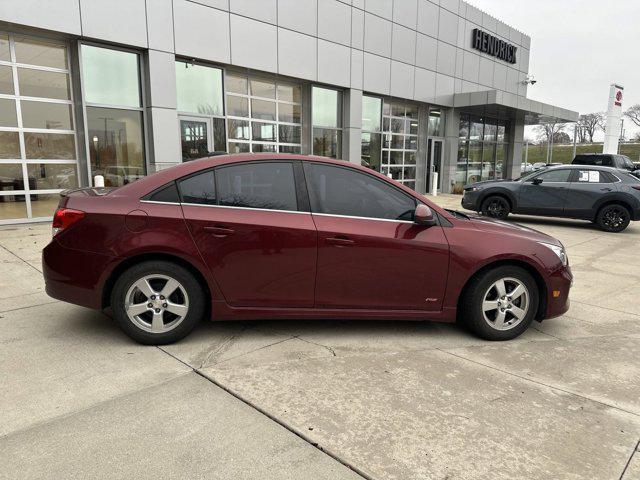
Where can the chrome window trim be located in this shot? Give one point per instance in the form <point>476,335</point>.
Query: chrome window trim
<point>159,202</point>
<point>242,208</point>
<point>362,218</point>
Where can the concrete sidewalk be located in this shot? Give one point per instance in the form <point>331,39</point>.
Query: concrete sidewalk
<point>391,399</point>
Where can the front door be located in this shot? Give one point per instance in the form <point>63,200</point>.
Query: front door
<point>434,162</point>
<point>253,232</point>
<point>370,252</point>
<point>195,137</point>
<point>544,194</point>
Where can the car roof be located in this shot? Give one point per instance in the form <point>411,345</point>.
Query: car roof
<point>581,167</point>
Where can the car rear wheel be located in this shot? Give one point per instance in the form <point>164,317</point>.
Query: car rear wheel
<point>500,304</point>
<point>157,302</point>
<point>496,207</point>
<point>613,218</point>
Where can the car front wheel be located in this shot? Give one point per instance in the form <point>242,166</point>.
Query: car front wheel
<point>157,302</point>
<point>500,304</point>
<point>613,218</point>
<point>496,207</point>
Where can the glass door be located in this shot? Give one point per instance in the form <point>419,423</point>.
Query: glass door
<point>195,137</point>
<point>434,161</point>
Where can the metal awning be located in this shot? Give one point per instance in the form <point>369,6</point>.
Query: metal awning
<point>511,106</point>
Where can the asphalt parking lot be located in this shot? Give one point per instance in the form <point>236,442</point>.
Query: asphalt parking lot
<point>319,399</point>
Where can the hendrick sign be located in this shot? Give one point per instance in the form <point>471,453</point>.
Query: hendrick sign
<point>487,43</point>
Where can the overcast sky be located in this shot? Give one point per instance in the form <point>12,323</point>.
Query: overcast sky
<point>578,48</point>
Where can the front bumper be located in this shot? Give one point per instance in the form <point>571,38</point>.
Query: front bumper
<point>75,276</point>
<point>470,201</point>
<point>560,281</point>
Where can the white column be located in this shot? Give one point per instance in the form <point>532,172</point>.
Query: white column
<point>352,126</point>
<point>614,116</point>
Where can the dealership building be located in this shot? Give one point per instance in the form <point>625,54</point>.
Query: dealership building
<point>123,88</point>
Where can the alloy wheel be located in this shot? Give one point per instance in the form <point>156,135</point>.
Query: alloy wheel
<point>613,218</point>
<point>505,303</point>
<point>157,303</point>
<point>496,208</point>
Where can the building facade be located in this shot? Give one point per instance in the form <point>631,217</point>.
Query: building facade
<point>127,87</point>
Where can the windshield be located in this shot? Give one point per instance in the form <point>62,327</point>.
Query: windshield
<point>527,176</point>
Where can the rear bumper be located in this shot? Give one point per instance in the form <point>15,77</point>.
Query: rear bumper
<point>559,281</point>
<point>75,276</point>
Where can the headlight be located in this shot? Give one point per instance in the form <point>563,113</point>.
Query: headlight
<point>559,251</point>
<point>473,189</point>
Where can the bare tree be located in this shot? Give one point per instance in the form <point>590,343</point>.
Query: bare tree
<point>633,114</point>
<point>588,124</point>
<point>547,131</point>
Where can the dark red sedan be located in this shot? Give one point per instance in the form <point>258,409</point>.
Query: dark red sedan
<point>291,236</point>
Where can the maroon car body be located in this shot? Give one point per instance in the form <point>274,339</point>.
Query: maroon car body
<point>282,264</point>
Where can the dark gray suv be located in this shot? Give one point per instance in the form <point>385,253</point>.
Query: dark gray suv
<point>603,195</point>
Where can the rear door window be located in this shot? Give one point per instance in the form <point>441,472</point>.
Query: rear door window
<point>342,191</point>
<point>266,185</point>
<point>199,189</point>
<point>592,176</point>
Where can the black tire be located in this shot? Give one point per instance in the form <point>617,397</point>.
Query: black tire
<point>613,218</point>
<point>471,305</point>
<point>195,302</point>
<point>495,206</point>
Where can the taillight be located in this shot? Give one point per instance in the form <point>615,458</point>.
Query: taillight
<point>637,187</point>
<point>64,218</point>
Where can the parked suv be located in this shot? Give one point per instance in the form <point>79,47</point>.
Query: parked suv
<point>620,162</point>
<point>254,236</point>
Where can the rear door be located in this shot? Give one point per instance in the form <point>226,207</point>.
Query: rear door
<point>255,232</point>
<point>544,194</point>
<point>587,187</point>
<point>371,254</point>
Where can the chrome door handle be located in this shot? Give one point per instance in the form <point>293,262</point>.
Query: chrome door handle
<point>340,241</point>
<point>219,231</point>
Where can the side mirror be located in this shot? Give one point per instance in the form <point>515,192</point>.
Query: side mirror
<point>423,215</point>
<point>536,181</point>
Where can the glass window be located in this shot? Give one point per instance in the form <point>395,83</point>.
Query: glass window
<point>9,145</point>
<point>116,145</point>
<point>45,176</point>
<point>343,191</point>
<point>501,132</point>
<point>8,116</point>
<point>200,189</point>
<point>39,83</point>
<point>326,107</point>
<point>371,113</point>
<point>399,141</point>
<point>10,178</point>
<point>289,93</point>
<point>258,185</point>
<point>236,84</point>
<point>501,157</point>
<point>476,129</point>
<point>166,194</point>
<point>52,116</point>
<point>289,133</point>
<point>327,142</point>
<point>554,176</point>
<point>461,167</point>
<point>289,149</point>
<point>290,113</point>
<point>199,89</point>
<point>219,135</point>
<point>238,129</point>
<point>464,127</point>
<point>490,131</point>
<point>488,161</point>
<point>44,205</point>
<point>37,52</point>
<point>263,147</point>
<point>436,123</point>
<point>592,176</point>
<point>193,139</point>
<point>5,54</point>
<point>6,80</point>
<point>263,109</point>
<point>371,154</point>
<point>475,162</point>
<point>12,207</point>
<point>235,147</point>
<point>262,88</point>
<point>110,77</point>
<point>237,106</point>
<point>264,132</point>
<point>55,146</point>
